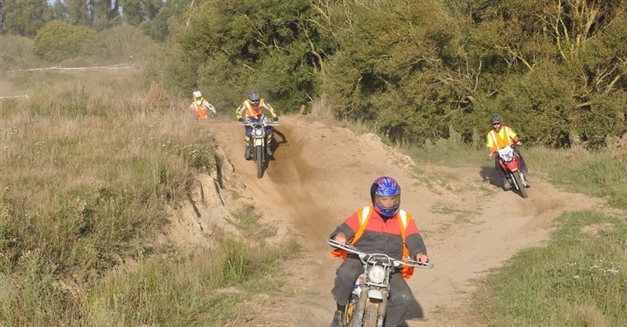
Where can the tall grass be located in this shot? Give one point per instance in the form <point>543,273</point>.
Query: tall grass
<point>188,291</point>
<point>89,162</point>
<point>579,279</point>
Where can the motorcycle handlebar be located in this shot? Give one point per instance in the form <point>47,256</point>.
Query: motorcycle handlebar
<point>250,123</point>
<point>352,249</point>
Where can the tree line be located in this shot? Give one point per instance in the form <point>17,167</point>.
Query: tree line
<point>27,17</point>
<point>413,69</point>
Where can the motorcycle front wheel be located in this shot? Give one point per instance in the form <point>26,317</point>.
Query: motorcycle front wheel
<point>259,156</point>
<point>520,185</point>
<point>370,316</point>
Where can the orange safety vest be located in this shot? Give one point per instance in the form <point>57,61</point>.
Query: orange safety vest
<point>252,111</point>
<point>499,142</point>
<point>200,109</point>
<point>364,216</point>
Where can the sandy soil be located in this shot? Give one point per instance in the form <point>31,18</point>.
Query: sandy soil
<point>322,174</point>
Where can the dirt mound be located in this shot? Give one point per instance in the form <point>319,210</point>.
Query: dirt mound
<point>322,173</point>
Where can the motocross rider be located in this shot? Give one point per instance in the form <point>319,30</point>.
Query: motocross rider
<point>251,109</point>
<point>200,106</point>
<point>499,137</point>
<point>381,227</point>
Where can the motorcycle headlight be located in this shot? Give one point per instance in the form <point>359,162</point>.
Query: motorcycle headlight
<point>258,132</point>
<point>377,274</point>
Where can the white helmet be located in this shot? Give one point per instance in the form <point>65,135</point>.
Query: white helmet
<point>197,94</point>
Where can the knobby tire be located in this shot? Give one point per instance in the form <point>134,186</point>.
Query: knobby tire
<point>370,316</point>
<point>521,186</point>
<point>259,156</point>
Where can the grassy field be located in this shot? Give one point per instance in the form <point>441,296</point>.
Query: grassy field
<point>89,163</point>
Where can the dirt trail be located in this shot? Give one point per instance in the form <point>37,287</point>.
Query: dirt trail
<point>323,173</point>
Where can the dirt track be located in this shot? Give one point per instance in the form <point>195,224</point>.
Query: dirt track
<point>322,174</point>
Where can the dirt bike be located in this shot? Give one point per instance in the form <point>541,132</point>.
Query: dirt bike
<point>368,303</point>
<point>258,141</point>
<point>510,163</point>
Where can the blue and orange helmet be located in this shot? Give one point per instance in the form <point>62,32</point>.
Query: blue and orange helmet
<point>385,186</point>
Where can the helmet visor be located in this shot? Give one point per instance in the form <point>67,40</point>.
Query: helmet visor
<point>387,202</point>
<point>255,103</point>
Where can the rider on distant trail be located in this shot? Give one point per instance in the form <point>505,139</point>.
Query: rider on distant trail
<point>200,106</point>
<point>252,108</point>
<point>499,137</point>
<point>383,228</point>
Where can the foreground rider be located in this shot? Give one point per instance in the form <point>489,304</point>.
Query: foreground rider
<point>384,230</point>
<point>499,137</point>
<point>200,106</point>
<point>252,108</point>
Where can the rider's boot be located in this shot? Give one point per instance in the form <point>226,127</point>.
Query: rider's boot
<point>249,152</point>
<point>338,319</point>
<point>269,146</point>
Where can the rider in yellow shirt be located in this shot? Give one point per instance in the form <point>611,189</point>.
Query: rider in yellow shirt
<point>499,137</point>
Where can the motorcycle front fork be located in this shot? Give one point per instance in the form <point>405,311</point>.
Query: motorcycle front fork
<point>523,177</point>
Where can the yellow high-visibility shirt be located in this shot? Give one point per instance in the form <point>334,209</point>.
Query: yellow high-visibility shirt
<point>503,138</point>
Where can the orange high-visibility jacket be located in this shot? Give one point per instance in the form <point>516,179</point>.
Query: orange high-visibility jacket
<point>364,216</point>
<point>200,109</point>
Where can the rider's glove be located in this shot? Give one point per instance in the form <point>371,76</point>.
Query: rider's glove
<point>241,120</point>
<point>491,155</point>
<point>275,119</point>
<point>518,143</point>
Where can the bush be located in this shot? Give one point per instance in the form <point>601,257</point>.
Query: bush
<point>58,41</point>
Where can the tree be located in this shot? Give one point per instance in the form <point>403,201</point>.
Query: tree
<point>228,47</point>
<point>25,17</point>
<point>136,12</point>
<point>78,13</point>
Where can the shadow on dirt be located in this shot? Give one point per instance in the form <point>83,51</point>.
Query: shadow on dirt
<point>490,174</point>
<point>415,312</point>
<point>276,144</point>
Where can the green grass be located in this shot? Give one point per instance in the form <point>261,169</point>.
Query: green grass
<point>579,279</point>
<point>598,173</point>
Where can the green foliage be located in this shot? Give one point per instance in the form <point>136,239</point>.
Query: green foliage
<point>136,12</point>
<point>24,17</point>
<point>392,67</point>
<point>226,48</point>
<point>58,41</point>
<point>412,70</point>
<point>159,27</point>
